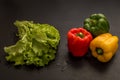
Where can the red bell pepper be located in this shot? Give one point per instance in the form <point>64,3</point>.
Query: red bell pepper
<point>78,41</point>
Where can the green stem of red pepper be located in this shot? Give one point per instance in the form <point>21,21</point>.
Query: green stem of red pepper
<point>80,35</point>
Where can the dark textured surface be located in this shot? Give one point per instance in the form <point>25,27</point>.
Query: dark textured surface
<point>64,15</point>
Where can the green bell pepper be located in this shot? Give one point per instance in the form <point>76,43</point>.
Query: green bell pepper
<point>96,24</point>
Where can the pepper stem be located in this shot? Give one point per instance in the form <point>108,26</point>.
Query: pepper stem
<point>99,51</point>
<point>80,35</point>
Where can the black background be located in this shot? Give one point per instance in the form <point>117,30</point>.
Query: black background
<point>64,15</point>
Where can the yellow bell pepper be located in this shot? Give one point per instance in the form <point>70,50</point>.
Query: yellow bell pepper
<point>104,46</point>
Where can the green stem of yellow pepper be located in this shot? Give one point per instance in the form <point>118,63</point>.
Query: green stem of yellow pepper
<point>99,51</point>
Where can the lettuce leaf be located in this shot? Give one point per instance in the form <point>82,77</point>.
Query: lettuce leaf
<point>37,44</point>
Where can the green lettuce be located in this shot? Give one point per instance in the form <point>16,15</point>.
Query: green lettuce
<point>37,44</point>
